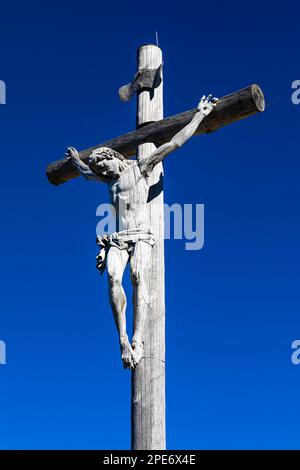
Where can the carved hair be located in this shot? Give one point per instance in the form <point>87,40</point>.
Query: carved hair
<point>105,153</point>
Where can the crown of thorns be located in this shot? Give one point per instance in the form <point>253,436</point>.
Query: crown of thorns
<point>105,153</point>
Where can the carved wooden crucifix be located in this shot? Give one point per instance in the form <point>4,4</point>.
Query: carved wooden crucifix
<point>136,190</point>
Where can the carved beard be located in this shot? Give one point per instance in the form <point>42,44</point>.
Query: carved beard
<point>123,166</point>
<point>111,175</point>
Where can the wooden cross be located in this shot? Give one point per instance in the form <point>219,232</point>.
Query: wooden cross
<point>148,378</point>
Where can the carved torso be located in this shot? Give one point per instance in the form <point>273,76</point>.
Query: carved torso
<point>129,195</point>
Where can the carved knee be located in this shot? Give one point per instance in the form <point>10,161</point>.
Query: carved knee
<point>114,278</point>
<point>137,276</point>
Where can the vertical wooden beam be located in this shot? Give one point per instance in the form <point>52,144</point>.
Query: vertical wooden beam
<point>148,430</point>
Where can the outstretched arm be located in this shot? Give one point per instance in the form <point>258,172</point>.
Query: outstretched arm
<point>205,107</point>
<point>83,169</point>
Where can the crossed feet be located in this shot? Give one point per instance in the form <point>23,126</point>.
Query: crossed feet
<point>131,353</point>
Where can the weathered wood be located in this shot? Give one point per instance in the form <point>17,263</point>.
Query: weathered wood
<point>145,78</point>
<point>148,379</point>
<point>229,109</point>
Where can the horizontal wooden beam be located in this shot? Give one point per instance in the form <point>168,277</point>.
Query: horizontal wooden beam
<point>229,109</point>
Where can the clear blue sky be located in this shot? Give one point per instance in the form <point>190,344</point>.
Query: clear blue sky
<point>233,308</point>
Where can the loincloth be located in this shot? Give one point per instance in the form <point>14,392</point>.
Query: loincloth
<point>124,240</point>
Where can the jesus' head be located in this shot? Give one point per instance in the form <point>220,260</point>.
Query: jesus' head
<point>107,163</point>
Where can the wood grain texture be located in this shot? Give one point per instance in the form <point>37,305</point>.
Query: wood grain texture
<point>148,429</point>
<point>230,108</point>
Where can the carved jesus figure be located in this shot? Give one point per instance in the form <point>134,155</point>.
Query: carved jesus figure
<point>128,183</point>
